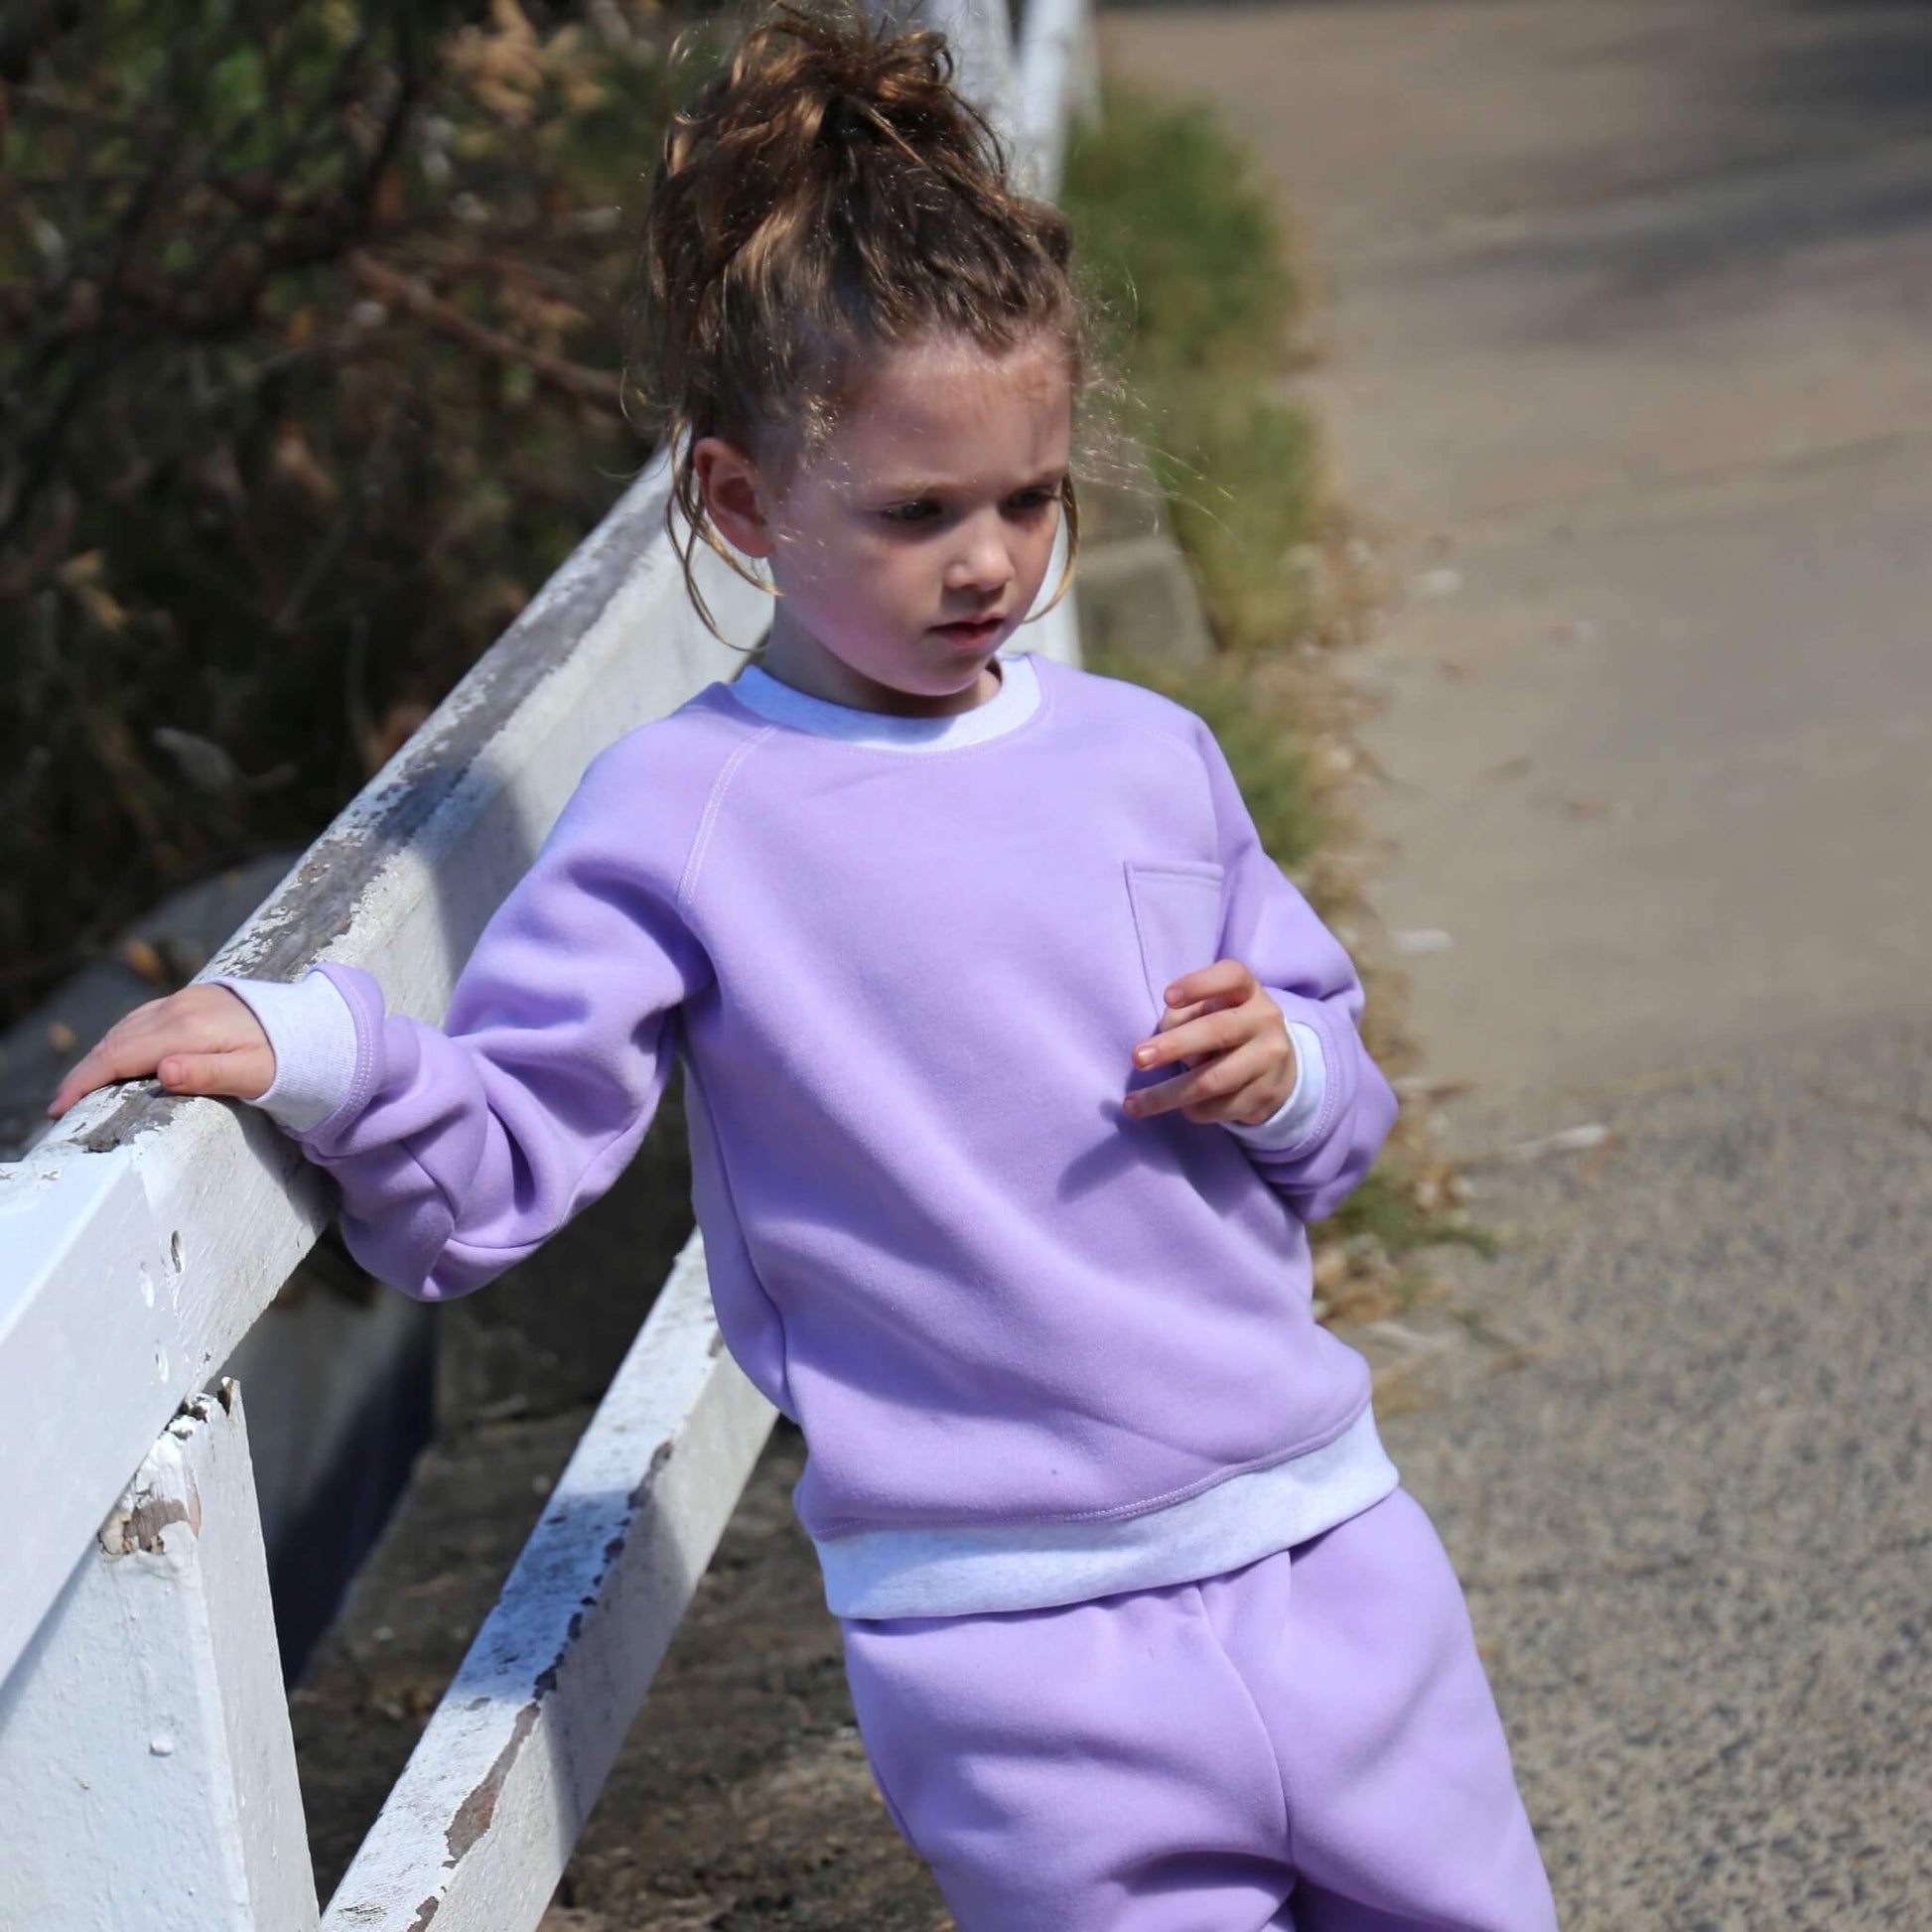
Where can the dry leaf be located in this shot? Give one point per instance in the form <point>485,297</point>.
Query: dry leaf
<point>143,958</point>
<point>295,462</point>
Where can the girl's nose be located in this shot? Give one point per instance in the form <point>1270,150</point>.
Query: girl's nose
<point>983,563</point>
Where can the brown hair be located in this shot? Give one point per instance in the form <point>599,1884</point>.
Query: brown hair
<point>824,194</point>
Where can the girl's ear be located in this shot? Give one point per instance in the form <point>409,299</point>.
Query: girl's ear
<point>734,496</point>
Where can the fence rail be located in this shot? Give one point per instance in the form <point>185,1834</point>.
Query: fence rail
<point>147,1776</point>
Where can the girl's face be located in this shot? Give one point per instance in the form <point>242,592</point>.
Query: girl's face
<point>908,549</point>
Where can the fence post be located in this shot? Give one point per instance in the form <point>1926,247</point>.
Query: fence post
<point>980,34</point>
<point>146,1770</point>
<point>1059,85</point>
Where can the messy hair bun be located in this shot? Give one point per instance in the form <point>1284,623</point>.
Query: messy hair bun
<point>827,193</point>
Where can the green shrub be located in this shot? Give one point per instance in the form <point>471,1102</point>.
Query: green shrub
<point>311,321</point>
<point>1185,261</point>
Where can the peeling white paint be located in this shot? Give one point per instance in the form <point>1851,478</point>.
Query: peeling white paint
<point>147,1774</point>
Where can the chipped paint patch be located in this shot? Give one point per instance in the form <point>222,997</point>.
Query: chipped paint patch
<point>139,1529</point>
<point>473,1816</point>
<point>525,1733</point>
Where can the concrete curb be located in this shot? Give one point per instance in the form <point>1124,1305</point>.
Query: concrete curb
<point>1137,590</point>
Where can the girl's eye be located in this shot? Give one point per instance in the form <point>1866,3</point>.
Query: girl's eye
<point>911,513</point>
<point>1031,500</point>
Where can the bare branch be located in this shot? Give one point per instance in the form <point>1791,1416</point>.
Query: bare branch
<point>591,385</point>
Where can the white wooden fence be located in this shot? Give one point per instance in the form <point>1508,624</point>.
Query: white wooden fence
<point>146,1770</point>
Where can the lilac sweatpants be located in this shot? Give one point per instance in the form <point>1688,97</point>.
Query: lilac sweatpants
<point>1307,1742</point>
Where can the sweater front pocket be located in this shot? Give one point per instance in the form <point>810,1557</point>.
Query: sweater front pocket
<point>1176,907</point>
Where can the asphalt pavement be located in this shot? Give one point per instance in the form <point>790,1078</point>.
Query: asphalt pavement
<point>1623,312</point>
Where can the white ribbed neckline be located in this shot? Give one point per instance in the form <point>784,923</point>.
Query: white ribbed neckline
<point>1016,699</point>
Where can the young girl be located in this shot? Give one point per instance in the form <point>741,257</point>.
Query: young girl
<point>1014,1068</point>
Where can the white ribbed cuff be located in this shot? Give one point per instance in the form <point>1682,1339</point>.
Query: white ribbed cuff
<point>312,1033</point>
<point>1296,1117</point>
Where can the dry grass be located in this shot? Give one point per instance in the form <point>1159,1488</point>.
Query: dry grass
<point>1199,281</point>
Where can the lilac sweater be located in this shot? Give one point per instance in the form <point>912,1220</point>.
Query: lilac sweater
<point>1040,1350</point>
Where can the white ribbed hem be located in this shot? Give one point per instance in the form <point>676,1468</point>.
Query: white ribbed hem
<point>312,1033</point>
<point>1296,1117</point>
<point>1030,1567</point>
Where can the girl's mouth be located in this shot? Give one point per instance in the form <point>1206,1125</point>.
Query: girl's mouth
<point>970,631</point>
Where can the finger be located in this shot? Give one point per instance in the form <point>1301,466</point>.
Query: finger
<point>1161,1046</point>
<point>1172,1016</point>
<point>122,1053</point>
<point>1224,976</point>
<point>1234,1088</point>
<point>1221,1090</point>
<point>1210,1028</point>
<point>137,1042</point>
<point>245,1072</point>
<point>1222,1002</point>
<point>1216,1081</point>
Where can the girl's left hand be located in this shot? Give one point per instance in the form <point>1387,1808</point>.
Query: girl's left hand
<point>1219,1011</point>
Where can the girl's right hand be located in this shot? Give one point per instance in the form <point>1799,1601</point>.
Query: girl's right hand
<point>202,1039</point>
